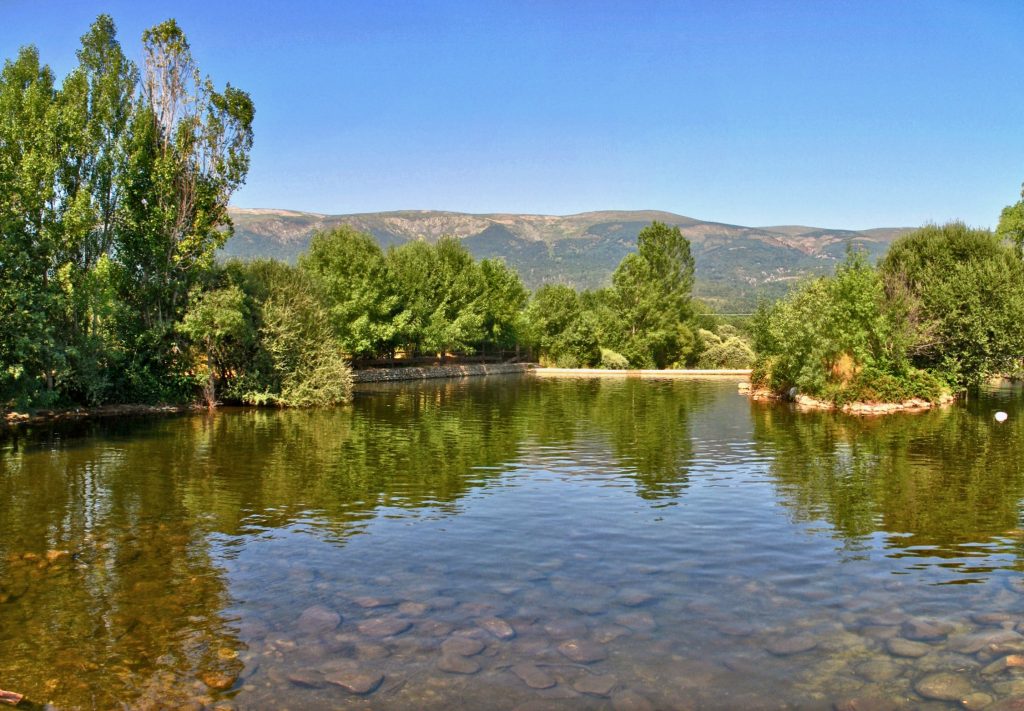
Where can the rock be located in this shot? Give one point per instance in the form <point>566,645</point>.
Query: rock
<point>943,686</point>
<point>994,619</point>
<point>582,651</point>
<point>878,670</point>
<point>218,680</point>
<point>637,621</point>
<point>497,627</point>
<point>462,646</point>
<point>533,676</point>
<point>925,630</point>
<point>356,680</point>
<point>976,701</point>
<point>309,678</point>
<point>413,609</point>
<point>971,643</point>
<point>609,633</point>
<point>372,603</point>
<point>317,620</point>
<point>635,598</point>
<point>593,685</point>
<point>736,629</point>
<point>1012,703</point>
<point>1011,661</point>
<point>905,648</point>
<point>785,646</point>
<point>370,651</point>
<point>383,626</point>
<point>629,700</point>
<point>565,629</point>
<point>457,664</point>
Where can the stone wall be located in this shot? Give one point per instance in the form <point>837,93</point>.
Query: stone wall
<point>387,375</point>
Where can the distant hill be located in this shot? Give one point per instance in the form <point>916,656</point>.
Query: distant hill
<point>734,264</point>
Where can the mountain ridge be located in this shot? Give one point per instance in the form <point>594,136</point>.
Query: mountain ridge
<point>735,264</point>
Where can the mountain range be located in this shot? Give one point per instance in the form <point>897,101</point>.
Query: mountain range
<point>735,265</point>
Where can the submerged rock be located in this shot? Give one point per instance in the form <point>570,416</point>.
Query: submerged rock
<point>593,685</point>
<point>356,680</point>
<point>497,627</point>
<point>925,630</point>
<point>1010,661</point>
<point>309,678</point>
<point>786,646</point>
<point>218,680</point>
<point>971,643</point>
<point>383,626</point>
<point>582,651</point>
<point>629,700</point>
<point>318,620</point>
<point>462,646</point>
<point>943,686</point>
<point>906,648</point>
<point>458,664</point>
<point>533,676</point>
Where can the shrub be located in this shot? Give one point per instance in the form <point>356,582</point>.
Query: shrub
<point>610,360</point>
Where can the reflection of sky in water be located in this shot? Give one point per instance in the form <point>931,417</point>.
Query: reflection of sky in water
<point>711,525</point>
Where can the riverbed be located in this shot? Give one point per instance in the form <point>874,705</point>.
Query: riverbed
<point>512,542</point>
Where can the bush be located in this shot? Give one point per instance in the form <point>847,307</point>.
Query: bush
<point>610,360</point>
<point>733,352</point>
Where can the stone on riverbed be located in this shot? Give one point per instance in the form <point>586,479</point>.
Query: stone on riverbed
<point>878,670</point>
<point>372,603</point>
<point>630,700</point>
<point>565,629</point>
<point>218,680</point>
<point>593,685</point>
<point>786,646</point>
<point>457,664</point>
<point>383,626</point>
<point>309,678</point>
<point>497,627</point>
<point>1010,661</point>
<point>533,676</point>
<point>905,648</point>
<point>637,621</point>
<point>944,686</point>
<point>925,630</point>
<point>356,680</point>
<point>971,643</point>
<point>462,646</point>
<point>867,703</point>
<point>582,651</point>
<point>317,620</point>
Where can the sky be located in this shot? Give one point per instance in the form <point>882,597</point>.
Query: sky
<point>835,114</point>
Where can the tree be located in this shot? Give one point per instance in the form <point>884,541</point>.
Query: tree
<point>218,321</point>
<point>1011,223</point>
<point>964,293</point>
<point>653,288</point>
<point>354,277</point>
<point>501,304</point>
<point>559,330</point>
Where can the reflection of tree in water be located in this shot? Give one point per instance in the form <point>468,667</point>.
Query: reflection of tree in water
<point>140,506</point>
<point>647,424</point>
<point>137,592</point>
<point>941,478</point>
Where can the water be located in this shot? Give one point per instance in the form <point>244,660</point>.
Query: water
<point>622,543</point>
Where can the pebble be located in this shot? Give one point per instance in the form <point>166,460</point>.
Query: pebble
<point>925,630</point>
<point>905,648</point>
<point>593,685</point>
<point>356,680</point>
<point>943,686</point>
<point>383,626</point>
<point>786,646</point>
<point>307,677</point>
<point>497,627</point>
<point>318,620</point>
<point>971,643</point>
<point>533,676</point>
<point>1013,703</point>
<point>866,703</point>
<point>457,664</point>
<point>582,651</point>
<point>462,646</point>
<point>878,670</point>
<point>1002,664</point>
<point>976,701</point>
<point>218,680</point>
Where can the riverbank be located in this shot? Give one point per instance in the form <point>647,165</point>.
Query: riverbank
<point>389,375</point>
<point>658,374</point>
<point>806,402</point>
<point>81,413</point>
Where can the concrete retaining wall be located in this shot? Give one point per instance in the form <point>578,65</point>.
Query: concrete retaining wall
<point>387,375</point>
<point>598,373</point>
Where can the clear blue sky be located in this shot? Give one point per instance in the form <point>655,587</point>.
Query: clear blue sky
<point>838,114</point>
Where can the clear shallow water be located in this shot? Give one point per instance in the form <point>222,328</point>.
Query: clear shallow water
<point>624,544</point>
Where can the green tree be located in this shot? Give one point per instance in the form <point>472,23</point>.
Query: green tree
<point>218,321</point>
<point>354,277</point>
<point>1011,223</point>
<point>559,330</point>
<point>964,294</point>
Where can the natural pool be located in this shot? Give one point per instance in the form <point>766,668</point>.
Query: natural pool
<point>507,543</point>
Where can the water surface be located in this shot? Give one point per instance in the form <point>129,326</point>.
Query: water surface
<point>516,543</point>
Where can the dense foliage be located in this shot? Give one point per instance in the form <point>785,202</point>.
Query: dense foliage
<point>942,311</point>
<point>114,186</point>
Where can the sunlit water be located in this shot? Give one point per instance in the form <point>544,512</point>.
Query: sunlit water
<point>510,543</point>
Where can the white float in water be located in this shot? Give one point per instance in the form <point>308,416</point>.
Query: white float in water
<point>1001,416</point>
